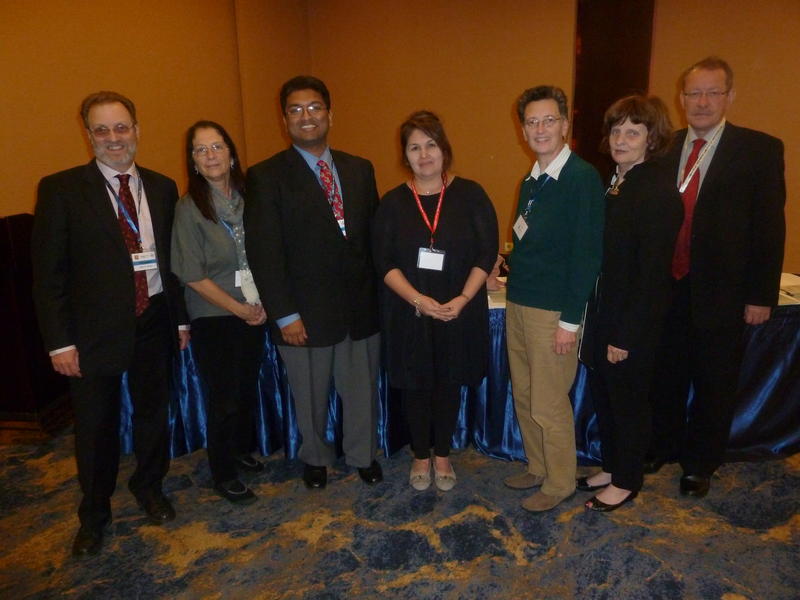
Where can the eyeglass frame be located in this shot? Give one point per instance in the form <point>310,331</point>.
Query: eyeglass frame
<point>547,122</point>
<point>103,132</point>
<point>216,148</point>
<point>315,108</point>
<point>713,95</point>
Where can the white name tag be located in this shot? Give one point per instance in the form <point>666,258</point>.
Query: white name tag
<point>520,227</point>
<point>144,261</point>
<point>431,259</point>
<point>237,279</point>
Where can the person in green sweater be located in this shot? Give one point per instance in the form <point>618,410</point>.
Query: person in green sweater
<point>558,237</point>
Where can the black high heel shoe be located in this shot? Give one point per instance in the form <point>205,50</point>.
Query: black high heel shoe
<point>582,484</point>
<point>598,505</point>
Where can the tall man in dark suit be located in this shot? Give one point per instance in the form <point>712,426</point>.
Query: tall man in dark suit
<point>107,303</point>
<point>307,220</point>
<point>726,271</point>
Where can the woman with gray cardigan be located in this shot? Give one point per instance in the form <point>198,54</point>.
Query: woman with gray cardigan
<point>208,256</point>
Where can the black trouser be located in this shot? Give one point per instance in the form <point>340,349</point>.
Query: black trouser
<point>710,361</point>
<point>439,407</point>
<point>229,353</point>
<point>96,403</point>
<point>624,415</point>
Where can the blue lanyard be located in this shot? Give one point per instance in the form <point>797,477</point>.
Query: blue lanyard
<point>229,228</point>
<point>534,194</point>
<point>124,211</point>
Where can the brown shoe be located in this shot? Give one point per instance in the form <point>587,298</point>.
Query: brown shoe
<point>523,481</point>
<point>540,502</point>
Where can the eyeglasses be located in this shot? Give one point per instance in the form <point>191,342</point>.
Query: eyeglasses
<point>295,110</point>
<point>101,131</point>
<point>204,150</point>
<point>547,122</point>
<point>712,95</point>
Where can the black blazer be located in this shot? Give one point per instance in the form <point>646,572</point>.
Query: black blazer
<point>300,261</point>
<point>738,227</point>
<point>83,281</point>
<point>628,306</point>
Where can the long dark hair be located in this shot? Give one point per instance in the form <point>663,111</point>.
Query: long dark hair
<point>199,189</point>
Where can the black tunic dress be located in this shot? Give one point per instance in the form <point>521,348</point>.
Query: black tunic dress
<point>420,351</point>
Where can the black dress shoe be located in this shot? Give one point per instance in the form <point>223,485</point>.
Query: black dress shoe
<point>315,477</point>
<point>371,474</point>
<point>653,465</point>
<point>598,505</point>
<point>247,463</point>
<point>236,492</point>
<point>582,484</point>
<point>88,541</point>
<point>156,506</point>
<point>695,485</point>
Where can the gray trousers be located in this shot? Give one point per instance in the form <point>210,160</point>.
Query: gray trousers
<point>353,365</point>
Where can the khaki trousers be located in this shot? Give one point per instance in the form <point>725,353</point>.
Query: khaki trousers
<point>540,382</point>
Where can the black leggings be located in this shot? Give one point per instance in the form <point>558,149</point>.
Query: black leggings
<point>438,407</point>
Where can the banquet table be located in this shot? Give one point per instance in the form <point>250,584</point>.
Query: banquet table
<point>766,423</point>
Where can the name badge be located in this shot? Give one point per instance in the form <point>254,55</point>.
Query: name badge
<point>520,227</point>
<point>144,261</point>
<point>431,259</point>
<point>237,279</point>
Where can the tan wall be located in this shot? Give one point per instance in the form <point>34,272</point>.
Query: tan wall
<point>273,46</point>
<point>761,41</point>
<point>463,60</point>
<point>174,59</point>
<point>225,60</point>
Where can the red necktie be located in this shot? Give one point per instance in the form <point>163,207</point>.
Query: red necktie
<point>331,190</point>
<point>680,260</point>
<point>132,241</point>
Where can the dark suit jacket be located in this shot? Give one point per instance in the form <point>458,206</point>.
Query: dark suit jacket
<point>738,227</point>
<point>641,225</point>
<point>300,261</point>
<point>83,280</point>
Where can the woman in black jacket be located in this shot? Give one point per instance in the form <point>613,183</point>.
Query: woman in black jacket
<point>643,215</point>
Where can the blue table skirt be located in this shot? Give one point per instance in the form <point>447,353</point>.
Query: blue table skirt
<point>766,424</point>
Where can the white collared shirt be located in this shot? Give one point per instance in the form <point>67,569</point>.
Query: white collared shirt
<point>154,285</point>
<point>691,136</point>
<point>555,166</point>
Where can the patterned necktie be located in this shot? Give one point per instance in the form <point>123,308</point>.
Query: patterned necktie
<point>132,240</point>
<point>680,260</point>
<point>331,190</point>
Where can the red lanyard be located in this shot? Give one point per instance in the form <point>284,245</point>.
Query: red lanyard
<point>438,206</point>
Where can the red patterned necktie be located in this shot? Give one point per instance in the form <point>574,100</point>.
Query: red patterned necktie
<point>132,241</point>
<point>331,190</point>
<point>680,260</point>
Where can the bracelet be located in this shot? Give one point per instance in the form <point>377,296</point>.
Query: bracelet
<point>416,304</point>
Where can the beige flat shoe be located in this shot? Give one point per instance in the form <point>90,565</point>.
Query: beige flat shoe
<point>444,481</point>
<point>420,481</point>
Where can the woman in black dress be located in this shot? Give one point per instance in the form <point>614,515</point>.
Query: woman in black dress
<point>643,215</point>
<point>434,243</point>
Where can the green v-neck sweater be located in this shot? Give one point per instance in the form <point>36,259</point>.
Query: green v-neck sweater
<point>555,264</point>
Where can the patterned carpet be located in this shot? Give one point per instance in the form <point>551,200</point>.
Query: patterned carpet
<point>387,541</point>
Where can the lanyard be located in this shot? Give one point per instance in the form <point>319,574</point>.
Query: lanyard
<point>438,206</point>
<point>696,165</point>
<point>229,228</point>
<point>124,211</point>
<point>535,193</point>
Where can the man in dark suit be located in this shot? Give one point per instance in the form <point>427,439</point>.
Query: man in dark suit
<point>307,220</point>
<point>726,271</point>
<point>107,303</point>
